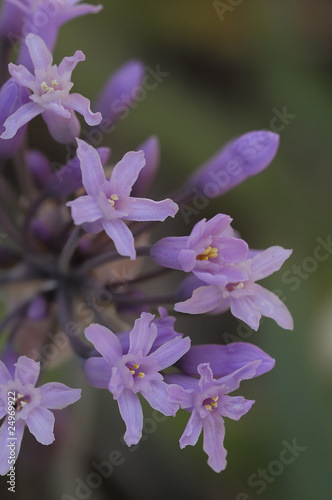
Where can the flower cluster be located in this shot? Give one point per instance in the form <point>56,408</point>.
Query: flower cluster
<point>85,229</point>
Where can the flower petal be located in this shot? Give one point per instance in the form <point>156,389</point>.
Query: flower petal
<point>62,129</point>
<point>98,372</point>
<point>157,397</point>
<point>204,299</point>
<point>213,442</point>
<point>40,422</point>
<point>126,171</point>
<point>143,335</point>
<point>27,370</point>
<point>172,351</point>
<point>122,237</point>
<point>82,105</point>
<point>22,75</point>
<point>93,175</point>
<point>132,414</point>
<point>85,209</point>
<point>5,375</point>
<point>245,309</point>
<point>105,341</point>
<point>192,431</point>
<point>225,359</point>
<point>234,407</point>
<point>41,56</point>
<point>271,306</point>
<point>21,116</point>
<point>143,209</point>
<point>268,261</point>
<point>177,394</point>
<point>68,64</point>
<point>5,439</point>
<point>56,396</point>
<point>232,381</point>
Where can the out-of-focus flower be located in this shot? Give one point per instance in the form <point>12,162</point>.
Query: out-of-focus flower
<point>30,406</point>
<point>50,86</point>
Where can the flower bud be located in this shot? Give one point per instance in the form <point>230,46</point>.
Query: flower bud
<point>246,156</point>
<point>147,174</point>
<point>12,97</point>
<point>39,166</point>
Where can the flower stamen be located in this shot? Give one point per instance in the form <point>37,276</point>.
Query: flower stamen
<point>209,253</point>
<point>113,198</point>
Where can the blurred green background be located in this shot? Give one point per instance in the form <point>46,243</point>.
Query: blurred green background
<point>226,77</point>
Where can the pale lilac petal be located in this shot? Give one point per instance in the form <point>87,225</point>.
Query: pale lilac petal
<point>98,372</point>
<point>143,209</point>
<point>206,375</point>
<point>233,250</point>
<point>245,309</point>
<point>5,376</point>
<point>166,251</point>
<point>68,64</point>
<point>218,278</point>
<point>105,341</point>
<point>93,175</point>
<point>188,384</point>
<point>21,116</point>
<point>39,53</point>
<point>77,10</point>
<point>143,335</point>
<point>157,397</point>
<point>22,75</point>
<point>225,359</point>
<point>204,299</point>
<point>56,108</point>
<point>187,260</point>
<point>268,261</point>
<point>179,395</point>
<point>82,105</point>
<point>122,237</point>
<point>40,422</point>
<point>116,383</point>
<point>63,130</point>
<point>213,442</point>
<point>218,224</point>
<point>192,431</point>
<point>56,396</point>
<point>171,351</point>
<point>132,414</point>
<point>5,439</point>
<point>126,172</point>
<point>234,407</point>
<point>85,209</point>
<point>271,306</point>
<point>93,227</point>
<point>231,382</point>
<point>27,370</point>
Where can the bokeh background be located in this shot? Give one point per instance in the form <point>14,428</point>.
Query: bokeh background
<point>229,73</point>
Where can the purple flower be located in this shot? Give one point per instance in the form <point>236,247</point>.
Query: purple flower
<point>31,407</point>
<point>247,300</point>
<point>225,359</point>
<point>209,252</point>
<point>43,18</point>
<point>137,371</point>
<point>108,202</point>
<point>50,96</point>
<point>12,98</point>
<point>239,159</point>
<point>208,402</point>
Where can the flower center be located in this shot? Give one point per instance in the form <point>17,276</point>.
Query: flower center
<point>232,286</point>
<point>112,199</point>
<point>209,253</point>
<point>47,89</point>
<point>211,403</point>
<point>21,401</point>
<point>134,370</point>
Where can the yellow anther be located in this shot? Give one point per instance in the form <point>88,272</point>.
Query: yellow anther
<point>46,88</point>
<point>141,374</point>
<point>208,407</point>
<point>209,253</point>
<point>55,83</point>
<point>23,403</point>
<point>240,285</point>
<point>113,198</point>
<point>19,396</point>
<point>214,404</point>
<point>132,372</point>
<point>215,398</point>
<point>135,366</point>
